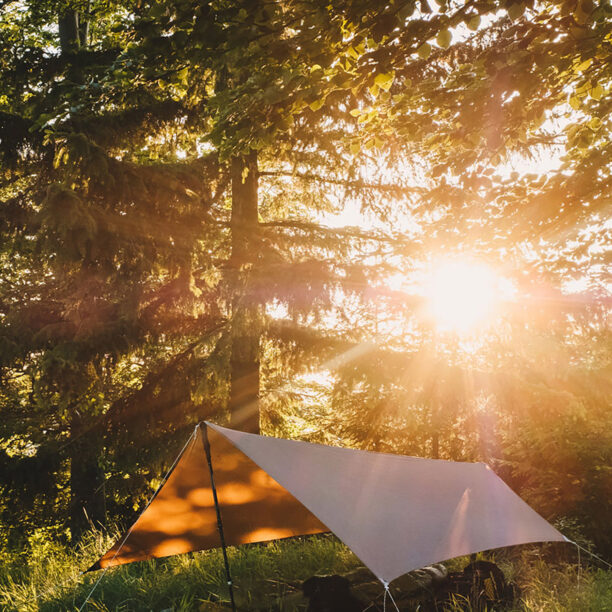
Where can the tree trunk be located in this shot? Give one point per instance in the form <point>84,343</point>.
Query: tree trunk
<point>86,475</point>
<point>84,25</point>
<point>436,422</point>
<point>435,446</point>
<point>246,320</point>
<point>87,504</point>
<point>68,25</point>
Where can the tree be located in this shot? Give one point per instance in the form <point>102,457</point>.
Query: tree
<point>107,286</point>
<point>131,276</point>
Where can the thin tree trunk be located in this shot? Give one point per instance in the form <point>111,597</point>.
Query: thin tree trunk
<point>436,422</point>
<point>87,504</point>
<point>84,25</point>
<point>435,446</point>
<point>86,475</point>
<point>246,320</point>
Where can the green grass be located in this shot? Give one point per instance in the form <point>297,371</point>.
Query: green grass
<point>264,576</point>
<point>558,589</point>
<point>267,577</point>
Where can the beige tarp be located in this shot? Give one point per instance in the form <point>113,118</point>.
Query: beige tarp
<point>396,513</point>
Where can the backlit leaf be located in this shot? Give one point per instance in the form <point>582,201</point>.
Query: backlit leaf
<point>515,10</point>
<point>424,51</point>
<point>444,38</point>
<point>595,123</point>
<point>597,92</point>
<point>384,80</point>
<point>582,66</point>
<point>317,104</point>
<point>473,23</point>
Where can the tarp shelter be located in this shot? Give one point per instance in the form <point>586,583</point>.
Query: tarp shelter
<point>396,513</point>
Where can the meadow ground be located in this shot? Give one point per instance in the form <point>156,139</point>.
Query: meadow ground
<point>267,577</point>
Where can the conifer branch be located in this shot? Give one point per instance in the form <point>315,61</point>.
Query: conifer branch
<point>350,184</point>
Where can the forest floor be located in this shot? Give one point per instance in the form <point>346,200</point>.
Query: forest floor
<point>266,577</point>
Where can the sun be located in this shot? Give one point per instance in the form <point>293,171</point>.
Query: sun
<point>461,296</point>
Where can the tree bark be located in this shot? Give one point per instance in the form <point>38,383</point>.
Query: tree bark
<point>68,23</point>
<point>86,475</point>
<point>84,25</point>
<point>246,320</point>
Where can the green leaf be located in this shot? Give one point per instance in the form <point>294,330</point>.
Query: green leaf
<point>582,66</point>
<point>424,51</point>
<point>317,104</point>
<point>60,155</point>
<point>363,118</point>
<point>444,38</point>
<point>595,123</point>
<point>406,11</point>
<point>583,90</point>
<point>473,23</point>
<point>574,102</point>
<point>355,112</point>
<point>515,10</point>
<point>384,80</point>
<point>597,92</point>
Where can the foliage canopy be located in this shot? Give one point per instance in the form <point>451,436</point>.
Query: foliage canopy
<point>173,176</point>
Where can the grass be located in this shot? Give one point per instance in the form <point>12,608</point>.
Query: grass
<point>264,575</point>
<point>267,577</point>
<point>565,588</point>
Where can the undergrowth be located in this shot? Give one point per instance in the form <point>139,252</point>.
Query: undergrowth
<point>266,577</point>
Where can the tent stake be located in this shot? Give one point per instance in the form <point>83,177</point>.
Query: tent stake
<point>206,443</point>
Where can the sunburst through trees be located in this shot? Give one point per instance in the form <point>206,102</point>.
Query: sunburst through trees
<point>381,224</point>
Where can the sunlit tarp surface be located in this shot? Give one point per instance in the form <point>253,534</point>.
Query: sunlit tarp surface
<point>396,513</point>
<point>182,516</point>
